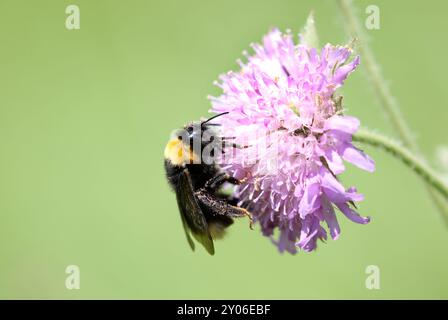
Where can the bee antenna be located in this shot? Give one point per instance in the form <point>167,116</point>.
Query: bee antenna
<point>214,117</point>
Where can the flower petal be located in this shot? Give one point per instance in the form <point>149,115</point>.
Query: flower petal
<point>342,123</point>
<point>352,214</point>
<point>332,222</point>
<point>358,158</point>
<point>334,161</point>
<point>310,200</point>
<point>333,189</point>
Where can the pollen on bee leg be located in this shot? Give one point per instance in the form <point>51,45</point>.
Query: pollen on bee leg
<point>249,215</point>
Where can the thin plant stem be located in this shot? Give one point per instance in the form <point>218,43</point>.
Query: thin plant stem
<point>406,156</point>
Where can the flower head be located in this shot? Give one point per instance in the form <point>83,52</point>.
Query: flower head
<point>284,99</point>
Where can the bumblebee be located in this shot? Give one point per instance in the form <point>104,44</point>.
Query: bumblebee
<point>204,209</point>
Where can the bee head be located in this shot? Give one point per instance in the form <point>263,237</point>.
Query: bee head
<point>187,143</point>
<point>191,133</point>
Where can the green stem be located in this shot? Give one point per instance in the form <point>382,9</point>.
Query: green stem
<point>407,157</point>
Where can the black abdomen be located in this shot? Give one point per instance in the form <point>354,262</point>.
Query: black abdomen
<point>199,173</point>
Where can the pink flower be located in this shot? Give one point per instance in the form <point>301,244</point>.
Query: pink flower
<point>284,98</point>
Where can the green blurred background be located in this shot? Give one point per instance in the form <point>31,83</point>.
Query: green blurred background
<point>85,115</point>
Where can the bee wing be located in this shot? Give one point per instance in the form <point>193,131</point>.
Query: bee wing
<point>192,216</point>
<point>187,233</point>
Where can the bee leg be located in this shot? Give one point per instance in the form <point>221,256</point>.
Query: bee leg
<point>218,206</point>
<point>244,212</point>
<point>229,198</point>
<point>218,180</point>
